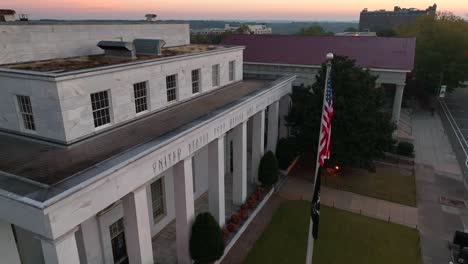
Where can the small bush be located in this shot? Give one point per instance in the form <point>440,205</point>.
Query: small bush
<point>268,169</point>
<point>285,152</point>
<point>207,239</point>
<point>405,149</point>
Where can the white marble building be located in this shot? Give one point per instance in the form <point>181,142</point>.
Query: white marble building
<point>99,155</point>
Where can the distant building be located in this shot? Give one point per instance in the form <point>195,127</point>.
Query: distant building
<point>7,15</point>
<point>357,34</point>
<point>247,29</point>
<point>389,59</point>
<point>382,19</point>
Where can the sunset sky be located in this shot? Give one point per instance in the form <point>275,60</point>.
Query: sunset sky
<point>218,9</point>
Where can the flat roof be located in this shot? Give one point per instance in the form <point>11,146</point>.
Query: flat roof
<point>49,164</point>
<point>61,65</point>
<point>369,52</point>
<point>91,22</point>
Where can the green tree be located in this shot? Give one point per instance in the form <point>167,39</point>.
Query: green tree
<point>440,43</point>
<point>361,131</point>
<point>386,33</point>
<point>206,241</point>
<point>351,29</point>
<point>268,169</point>
<point>313,30</point>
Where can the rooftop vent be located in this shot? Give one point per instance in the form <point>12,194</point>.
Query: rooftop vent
<point>151,17</point>
<point>148,46</point>
<point>118,49</point>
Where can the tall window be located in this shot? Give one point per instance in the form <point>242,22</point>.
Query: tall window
<point>25,108</point>
<point>171,87</point>
<point>215,75</point>
<point>119,248</point>
<point>157,199</point>
<point>101,108</point>
<point>141,97</point>
<point>232,70</point>
<point>196,81</point>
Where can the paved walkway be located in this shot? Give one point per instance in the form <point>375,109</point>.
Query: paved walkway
<point>372,207</point>
<point>299,188</point>
<point>437,173</point>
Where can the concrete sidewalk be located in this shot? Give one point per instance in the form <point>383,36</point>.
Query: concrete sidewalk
<point>437,173</point>
<point>372,207</point>
<point>301,189</point>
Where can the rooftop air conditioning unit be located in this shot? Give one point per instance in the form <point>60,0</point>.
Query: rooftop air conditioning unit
<point>148,46</point>
<point>118,49</point>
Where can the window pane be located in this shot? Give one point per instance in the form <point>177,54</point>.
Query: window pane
<point>25,108</point>
<point>171,86</point>
<point>140,94</point>
<point>196,81</point>
<point>232,73</point>
<point>215,75</point>
<point>157,199</point>
<point>101,108</point>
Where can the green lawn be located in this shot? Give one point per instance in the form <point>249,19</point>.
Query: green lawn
<point>343,238</point>
<point>391,184</point>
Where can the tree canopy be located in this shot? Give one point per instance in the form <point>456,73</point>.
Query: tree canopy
<point>361,131</point>
<point>351,29</point>
<point>313,30</point>
<point>441,40</point>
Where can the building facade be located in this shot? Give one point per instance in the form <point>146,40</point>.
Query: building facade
<point>108,159</point>
<point>389,59</point>
<point>383,19</point>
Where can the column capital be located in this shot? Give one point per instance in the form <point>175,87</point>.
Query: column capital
<point>58,239</point>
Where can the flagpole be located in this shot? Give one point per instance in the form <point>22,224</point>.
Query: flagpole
<point>310,243</point>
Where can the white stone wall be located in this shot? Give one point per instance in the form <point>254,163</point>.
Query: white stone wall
<point>62,107</point>
<point>75,93</point>
<point>45,105</point>
<point>29,42</point>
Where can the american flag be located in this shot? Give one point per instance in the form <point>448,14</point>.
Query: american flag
<point>325,130</point>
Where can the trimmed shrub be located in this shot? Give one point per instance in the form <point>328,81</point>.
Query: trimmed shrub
<point>285,152</point>
<point>207,240</point>
<point>405,149</point>
<point>268,169</point>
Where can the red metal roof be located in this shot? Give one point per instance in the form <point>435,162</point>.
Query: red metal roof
<point>370,52</point>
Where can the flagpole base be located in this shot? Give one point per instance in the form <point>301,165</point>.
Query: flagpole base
<point>310,245</point>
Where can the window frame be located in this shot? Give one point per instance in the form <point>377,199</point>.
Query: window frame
<point>158,216</point>
<point>232,70</point>
<point>107,108</point>
<point>141,100</point>
<point>197,82</point>
<point>215,75</point>
<point>26,110</point>
<point>169,90</point>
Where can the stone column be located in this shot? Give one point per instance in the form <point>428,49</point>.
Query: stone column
<point>62,250</point>
<point>258,142</point>
<point>284,103</point>
<point>272,137</point>
<point>137,227</point>
<point>8,250</point>
<point>397,103</point>
<point>184,208</point>
<point>200,173</point>
<point>216,200</point>
<point>239,182</point>
<point>89,242</point>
